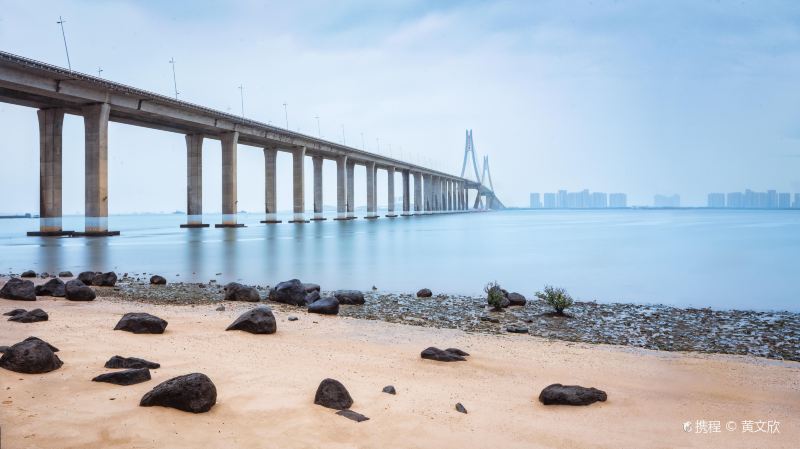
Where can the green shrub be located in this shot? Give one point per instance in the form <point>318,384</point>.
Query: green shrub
<point>494,295</point>
<point>556,297</point>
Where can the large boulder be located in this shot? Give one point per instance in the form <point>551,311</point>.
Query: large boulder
<point>65,274</point>
<point>125,377</point>
<point>31,316</point>
<point>28,274</point>
<point>141,323</point>
<point>516,299</point>
<point>191,393</point>
<point>309,287</point>
<point>349,296</point>
<point>53,287</point>
<point>289,292</point>
<point>31,356</point>
<point>558,394</point>
<point>312,296</point>
<point>257,321</point>
<point>424,293</point>
<point>130,362</point>
<point>105,279</point>
<point>19,290</point>
<point>52,348</point>
<point>332,394</point>
<point>158,280</point>
<point>87,277</point>
<point>15,312</point>
<point>75,290</point>
<point>325,306</point>
<point>447,355</point>
<point>235,291</point>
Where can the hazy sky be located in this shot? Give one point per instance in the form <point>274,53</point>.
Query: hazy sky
<point>642,97</point>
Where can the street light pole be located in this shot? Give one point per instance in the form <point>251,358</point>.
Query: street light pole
<point>174,79</point>
<point>241,96</point>
<point>99,71</point>
<point>63,35</point>
<point>286,114</point>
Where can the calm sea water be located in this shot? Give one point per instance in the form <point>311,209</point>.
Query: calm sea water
<point>715,258</point>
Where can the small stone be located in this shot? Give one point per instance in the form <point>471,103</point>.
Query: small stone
<point>389,389</point>
<point>158,280</point>
<point>125,377</point>
<point>332,394</point>
<point>350,297</point>
<point>349,414</point>
<point>460,408</point>
<point>517,329</point>
<point>292,318</point>
<point>437,354</point>
<point>130,362</point>
<point>424,293</point>
<point>558,394</point>
<point>65,274</point>
<point>221,308</point>
<point>31,316</point>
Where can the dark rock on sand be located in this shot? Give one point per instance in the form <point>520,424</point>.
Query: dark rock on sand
<point>87,277</point>
<point>457,351</point>
<point>31,316</point>
<point>158,280</point>
<point>460,408</point>
<point>355,416</point>
<point>31,356</point>
<point>424,293</point>
<point>53,287</point>
<point>125,377</point>
<point>289,292</point>
<point>141,323</point>
<point>19,290</point>
<point>28,274</point>
<point>292,318</point>
<point>3,349</point>
<point>191,393</point>
<point>517,329</point>
<point>516,299</point>
<point>221,308</point>
<point>52,348</point>
<point>78,291</point>
<point>570,395</point>
<point>349,296</point>
<point>325,306</point>
<point>65,274</point>
<point>130,362</point>
<point>332,394</point>
<point>311,287</point>
<point>389,389</point>
<point>105,279</point>
<point>257,321</point>
<point>437,354</point>
<point>235,291</point>
<point>312,297</point>
<point>15,312</point>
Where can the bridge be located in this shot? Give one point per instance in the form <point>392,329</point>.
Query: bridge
<point>56,91</point>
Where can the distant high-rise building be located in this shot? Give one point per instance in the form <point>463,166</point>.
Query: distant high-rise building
<point>716,200</point>
<point>784,201</point>
<point>561,199</point>
<point>772,199</point>
<point>535,203</point>
<point>796,204</point>
<point>599,200</point>
<point>667,201</point>
<point>735,200</point>
<point>618,200</point>
<point>549,200</point>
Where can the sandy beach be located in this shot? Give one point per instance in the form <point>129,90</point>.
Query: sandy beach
<point>266,386</point>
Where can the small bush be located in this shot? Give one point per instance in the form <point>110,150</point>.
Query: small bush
<point>494,295</point>
<point>556,297</point>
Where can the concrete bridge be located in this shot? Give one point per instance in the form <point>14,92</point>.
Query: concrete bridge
<point>56,91</point>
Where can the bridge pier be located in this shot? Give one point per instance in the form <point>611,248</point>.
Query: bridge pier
<point>51,123</point>
<point>95,122</point>
<point>371,199</point>
<point>270,186</point>
<point>406,193</point>
<point>417,192</point>
<point>351,191</point>
<point>317,161</point>
<point>194,182</point>
<point>298,184</point>
<point>390,193</point>
<point>341,188</point>
<point>230,200</point>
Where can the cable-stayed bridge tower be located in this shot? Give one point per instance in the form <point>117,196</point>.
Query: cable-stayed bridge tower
<point>480,178</point>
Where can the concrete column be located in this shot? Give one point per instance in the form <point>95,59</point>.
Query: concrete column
<point>446,192</point>
<point>351,191</point>
<point>298,183</point>
<point>230,201</point>
<point>270,186</point>
<point>194,182</point>
<point>51,123</point>
<point>317,160</point>
<point>417,192</point>
<point>390,192</point>
<point>95,121</point>
<point>437,198</point>
<point>406,193</point>
<point>341,188</point>
<point>428,194</point>
<point>371,199</point>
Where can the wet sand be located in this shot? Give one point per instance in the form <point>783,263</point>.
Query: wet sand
<point>266,385</point>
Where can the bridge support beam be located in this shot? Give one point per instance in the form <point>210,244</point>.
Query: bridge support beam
<point>194,182</point>
<point>390,193</point>
<point>298,185</point>
<point>51,123</point>
<point>95,121</point>
<point>371,199</point>
<point>270,186</point>
<point>406,193</point>
<point>351,189</point>
<point>317,161</point>
<point>230,201</point>
<point>417,192</point>
<point>341,188</point>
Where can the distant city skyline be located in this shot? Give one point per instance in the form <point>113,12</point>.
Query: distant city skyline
<point>749,199</point>
<point>583,199</point>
